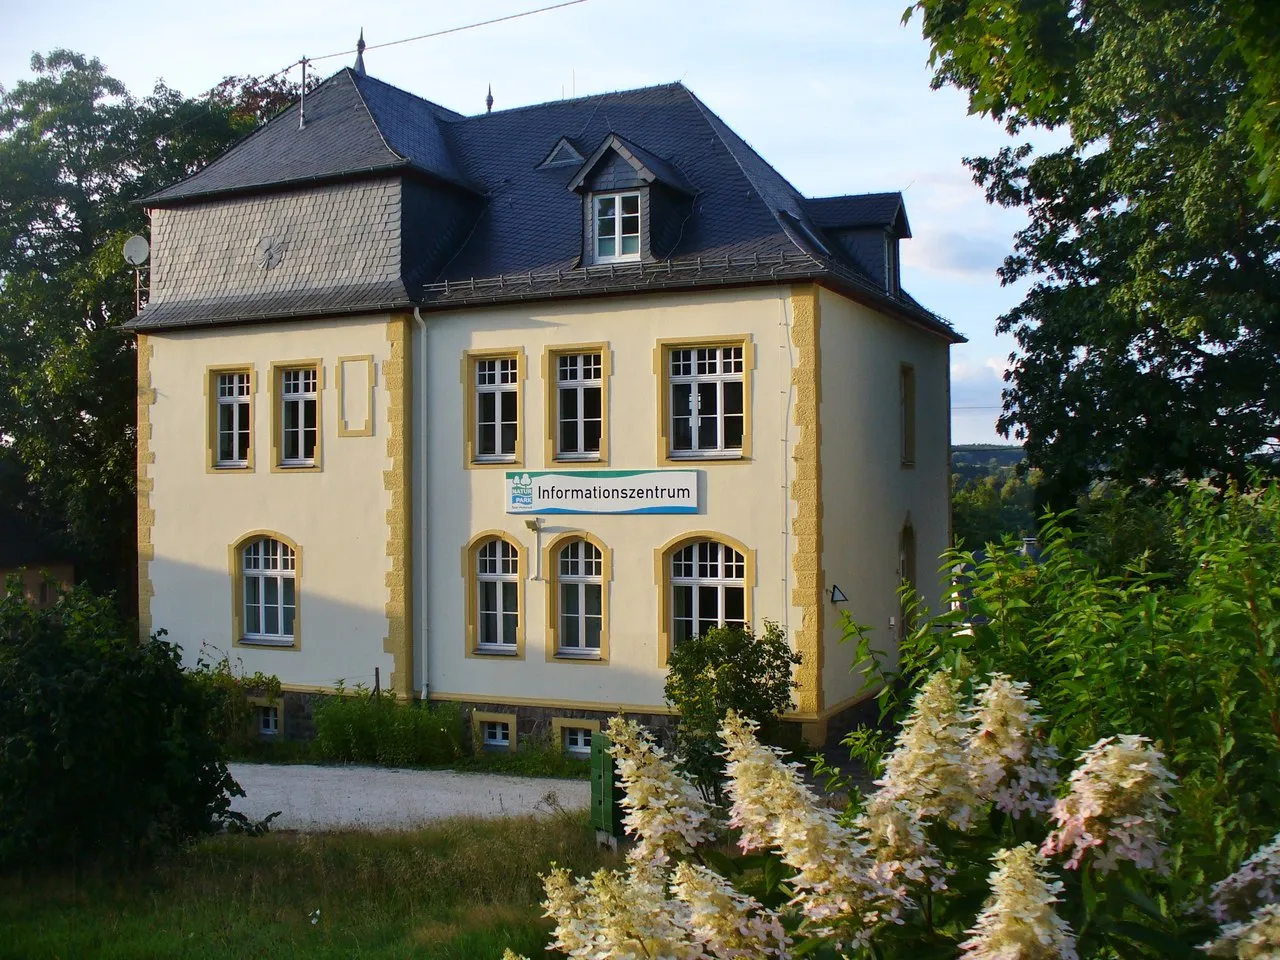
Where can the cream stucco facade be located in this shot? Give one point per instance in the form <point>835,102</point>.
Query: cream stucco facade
<point>383,524</point>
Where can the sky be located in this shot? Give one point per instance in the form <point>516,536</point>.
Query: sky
<point>834,93</point>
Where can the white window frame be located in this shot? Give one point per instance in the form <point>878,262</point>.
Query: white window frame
<point>706,569</point>
<point>268,720</point>
<point>299,392</point>
<point>268,562</point>
<point>691,368</point>
<point>618,234</point>
<point>582,749</point>
<point>576,375</point>
<point>498,563</point>
<point>579,571</point>
<point>234,390</point>
<point>496,733</point>
<point>496,377</point>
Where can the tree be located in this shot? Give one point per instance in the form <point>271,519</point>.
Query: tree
<point>76,151</point>
<point>1149,343</point>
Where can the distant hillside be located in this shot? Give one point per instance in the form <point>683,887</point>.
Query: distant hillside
<point>1005,455</point>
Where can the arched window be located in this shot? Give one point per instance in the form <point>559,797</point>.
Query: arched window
<point>580,579</point>
<point>708,589</point>
<point>269,593</point>
<point>497,595</point>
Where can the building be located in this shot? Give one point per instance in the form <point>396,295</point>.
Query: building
<point>503,406</point>
<point>41,564</point>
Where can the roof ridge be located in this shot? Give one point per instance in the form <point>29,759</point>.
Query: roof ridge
<point>571,100</point>
<point>855,196</point>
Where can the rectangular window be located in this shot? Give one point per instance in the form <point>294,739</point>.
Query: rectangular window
<point>268,721</point>
<point>577,741</point>
<point>299,429</point>
<point>497,408</point>
<point>231,447</point>
<point>707,401</point>
<point>617,227</point>
<point>579,406</point>
<point>907,413</point>
<point>497,734</point>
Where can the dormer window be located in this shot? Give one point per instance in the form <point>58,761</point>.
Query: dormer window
<point>617,227</point>
<point>891,282</point>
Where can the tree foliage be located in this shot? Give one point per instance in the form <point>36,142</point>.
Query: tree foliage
<point>76,150</point>
<point>1149,342</point>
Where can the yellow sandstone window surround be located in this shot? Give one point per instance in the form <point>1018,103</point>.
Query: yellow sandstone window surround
<point>230,391</point>
<point>576,380</point>
<point>573,734</point>
<point>579,568</point>
<point>493,731</point>
<point>493,398</point>
<point>705,579</point>
<point>494,566</point>
<point>297,434</point>
<point>704,398</point>
<point>266,591</point>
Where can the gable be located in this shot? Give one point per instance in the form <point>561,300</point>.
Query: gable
<point>561,154</point>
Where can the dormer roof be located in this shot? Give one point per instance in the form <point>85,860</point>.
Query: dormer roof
<point>859,211</point>
<point>648,166</point>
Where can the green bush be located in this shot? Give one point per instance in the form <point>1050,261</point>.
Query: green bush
<point>105,749</point>
<point>228,691</point>
<point>1188,659</point>
<point>727,668</point>
<point>367,727</point>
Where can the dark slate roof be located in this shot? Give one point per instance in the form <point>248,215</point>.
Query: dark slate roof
<point>523,236</point>
<point>22,543</point>
<point>859,210</point>
<point>648,165</point>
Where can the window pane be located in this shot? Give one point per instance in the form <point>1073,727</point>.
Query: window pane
<point>569,598</point>
<point>251,621</point>
<point>242,447</point>
<point>271,620</point>
<point>510,626</point>
<point>509,422</point>
<point>488,596</point>
<point>708,608</point>
<point>486,442</point>
<point>681,416</point>
<point>733,418</point>
<point>509,603</point>
<point>488,628</point>
<point>708,424</point>
<point>630,243</point>
<point>607,246</point>
<point>681,613</point>
<point>735,609</point>
<point>591,436</point>
<point>271,591</point>
<point>288,622</point>
<point>593,633</point>
<point>309,414</point>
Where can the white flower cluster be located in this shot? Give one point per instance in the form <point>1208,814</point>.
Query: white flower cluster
<point>727,925</point>
<point>1117,803</point>
<point>895,836</point>
<point>1009,763</point>
<point>664,811</point>
<point>1018,922</point>
<point>929,767</point>
<point>834,878</point>
<point>1258,938</point>
<point>1256,882</point>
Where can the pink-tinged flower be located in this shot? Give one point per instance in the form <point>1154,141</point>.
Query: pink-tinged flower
<point>665,813</point>
<point>1018,921</point>
<point>1258,938</point>
<point>834,880</point>
<point>929,767</point>
<point>1256,882</point>
<point>896,839</point>
<point>1009,763</point>
<point>727,924</point>
<point>1117,804</point>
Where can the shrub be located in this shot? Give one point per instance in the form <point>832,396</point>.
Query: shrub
<point>727,668</point>
<point>1187,658</point>
<point>105,745</point>
<point>376,728</point>
<point>228,690</point>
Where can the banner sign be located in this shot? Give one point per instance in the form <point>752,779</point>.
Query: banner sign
<point>602,491</point>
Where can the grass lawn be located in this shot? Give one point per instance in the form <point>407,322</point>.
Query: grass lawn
<point>460,889</point>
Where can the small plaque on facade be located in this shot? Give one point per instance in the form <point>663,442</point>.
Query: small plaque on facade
<point>602,491</point>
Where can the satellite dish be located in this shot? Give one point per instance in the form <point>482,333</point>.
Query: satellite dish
<point>136,251</point>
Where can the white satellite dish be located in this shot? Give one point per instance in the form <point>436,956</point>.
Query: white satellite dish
<point>136,251</point>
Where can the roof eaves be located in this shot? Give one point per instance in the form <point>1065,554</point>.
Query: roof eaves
<point>273,186</point>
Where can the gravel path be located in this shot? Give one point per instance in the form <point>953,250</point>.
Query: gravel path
<point>375,798</point>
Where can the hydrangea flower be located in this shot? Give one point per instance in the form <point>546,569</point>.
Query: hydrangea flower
<point>1018,921</point>
<point>727,924</point>
<point>895,837</point>
<point>664,811</point>
<point>1256,939</point>
<point>1117,803</point>
<point>1009,763</point>
<point>619,915</point>
<point>929,767</point>
<point>1256,882</point>
<point>834,880</point>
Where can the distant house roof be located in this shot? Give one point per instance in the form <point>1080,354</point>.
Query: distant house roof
<point>523,238</point>
<point>24,544</point>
